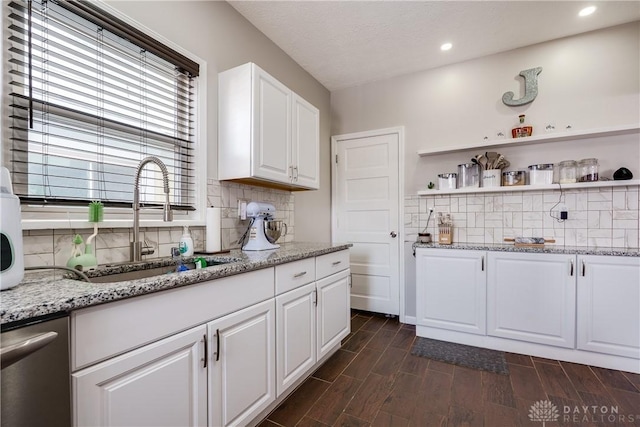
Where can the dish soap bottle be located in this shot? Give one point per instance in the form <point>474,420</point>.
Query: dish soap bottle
<point>186,242</point>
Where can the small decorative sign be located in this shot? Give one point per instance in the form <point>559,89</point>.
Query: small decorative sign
<point>530,88</point>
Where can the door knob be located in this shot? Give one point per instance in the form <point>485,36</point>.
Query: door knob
<point>393,234</point>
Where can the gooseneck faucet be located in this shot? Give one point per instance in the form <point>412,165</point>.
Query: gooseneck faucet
<point>136,244</point>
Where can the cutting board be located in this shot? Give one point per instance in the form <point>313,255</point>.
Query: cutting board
<point>529,245</point>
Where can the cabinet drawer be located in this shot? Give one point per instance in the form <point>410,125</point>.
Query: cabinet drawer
<point>295,274</point>
<point>328,264</point>
<point>106,330</point>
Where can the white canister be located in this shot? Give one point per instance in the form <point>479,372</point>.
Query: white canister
<point>447,181</point>
<point>541,174</point>
<point>491,178</point>
<point>12,263</point>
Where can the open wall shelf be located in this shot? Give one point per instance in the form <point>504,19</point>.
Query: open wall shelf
<point>514,188</point>
<point>536,139</point>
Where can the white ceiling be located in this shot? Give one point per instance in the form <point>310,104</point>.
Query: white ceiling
<point>348,43</point>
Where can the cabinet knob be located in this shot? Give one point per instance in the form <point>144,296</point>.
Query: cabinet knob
<point>393,234</point>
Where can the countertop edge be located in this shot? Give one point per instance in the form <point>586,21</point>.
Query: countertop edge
<point>550,249</point>
<point>35,297</point>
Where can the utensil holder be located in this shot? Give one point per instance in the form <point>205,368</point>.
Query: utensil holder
<point>445,235</point>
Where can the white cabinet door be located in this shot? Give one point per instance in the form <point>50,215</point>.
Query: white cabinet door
<point>271,128</point>
<point>305,144</point>
<point>451,289</point>
<point>241,364</point>
<point>531,297</point>
<point>267,135</point>
<point>333,311</point>
<point>295,335</point>
<point>609,305</point>
<point>161,384</point>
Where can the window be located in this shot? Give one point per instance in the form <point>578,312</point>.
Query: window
<point>90,97</point>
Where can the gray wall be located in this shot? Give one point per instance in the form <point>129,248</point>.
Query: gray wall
<point>219,35</point>
<point>589,81</point>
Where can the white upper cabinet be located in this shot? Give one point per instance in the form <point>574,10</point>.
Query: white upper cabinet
<point>267,134</point>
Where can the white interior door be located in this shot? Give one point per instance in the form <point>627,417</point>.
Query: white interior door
<point>366,213</point>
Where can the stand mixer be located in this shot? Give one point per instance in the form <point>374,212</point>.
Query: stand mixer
<point>259,212</point>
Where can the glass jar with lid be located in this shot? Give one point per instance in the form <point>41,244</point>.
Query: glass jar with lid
<point>588,170</point>
<point>568,171</point>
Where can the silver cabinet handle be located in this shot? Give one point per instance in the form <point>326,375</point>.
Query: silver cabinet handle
<point>295,276</point>
<point>336,263</point>
<point>584,269</point>
<point>482,263</point>
<point>393,234</point>
<point>571,270</point>
<point>15,352</point>
<point>315,297</point>
<point>295,175</point>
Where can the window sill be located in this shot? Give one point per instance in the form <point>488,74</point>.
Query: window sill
<point>32,224</point>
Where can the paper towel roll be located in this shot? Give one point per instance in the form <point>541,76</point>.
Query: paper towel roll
<point>213,233</point>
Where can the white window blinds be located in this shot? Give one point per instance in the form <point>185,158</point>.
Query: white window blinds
<point>90,97</point>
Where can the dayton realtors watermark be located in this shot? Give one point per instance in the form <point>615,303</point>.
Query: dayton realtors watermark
<point>545,411</point>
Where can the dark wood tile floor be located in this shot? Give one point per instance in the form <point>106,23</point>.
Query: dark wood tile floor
<point>373,380</point>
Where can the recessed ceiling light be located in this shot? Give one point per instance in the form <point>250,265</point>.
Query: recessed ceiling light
<point>587,11</point>
<point>446,46</point>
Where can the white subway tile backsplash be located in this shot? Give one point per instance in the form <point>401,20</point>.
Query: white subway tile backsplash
<point>53,247</point>
<point>596,217</point>
<point>599,206</point>
<point>626,214</point>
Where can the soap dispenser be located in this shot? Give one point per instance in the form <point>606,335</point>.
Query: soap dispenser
<point>186,242</point>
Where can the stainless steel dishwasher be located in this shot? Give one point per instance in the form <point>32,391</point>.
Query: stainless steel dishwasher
<point>36,385</point>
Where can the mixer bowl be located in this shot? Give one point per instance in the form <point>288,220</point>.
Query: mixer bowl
<point>273,230</point>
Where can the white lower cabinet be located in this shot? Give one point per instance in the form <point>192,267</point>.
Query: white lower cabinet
<point>160,384</point>
<point>241,364</point>
<point>609,305</point>
<point>578,308</point>
<point>451,289</point>
<point>333,311</point>
<point>295,335</point>
<point>531,297</point>
<point>311,321</point>
<point>133,366</point>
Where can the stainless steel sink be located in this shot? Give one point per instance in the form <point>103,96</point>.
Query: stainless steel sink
<point>104,276</point>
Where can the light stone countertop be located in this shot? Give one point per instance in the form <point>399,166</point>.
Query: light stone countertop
<point>547,249</point>
<point>45,292</point>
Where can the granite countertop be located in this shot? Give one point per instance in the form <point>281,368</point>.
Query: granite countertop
<point>548,249</point>
<point>45,292</point>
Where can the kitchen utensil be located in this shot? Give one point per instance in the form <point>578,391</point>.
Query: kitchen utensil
<point>273,230</point>
<point>468,175</point>
<point>481,160</point>
<point>12,257</point>
<point>491,156</point>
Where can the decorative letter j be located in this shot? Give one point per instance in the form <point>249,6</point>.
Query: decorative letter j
<point>530,88</point>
